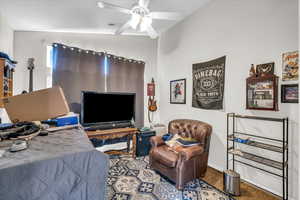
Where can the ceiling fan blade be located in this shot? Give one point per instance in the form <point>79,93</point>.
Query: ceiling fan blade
<point>144,3</point>
<point>102,4</point>
<point>123,28</point>
<point>166,15</point>
<point>152,33</point>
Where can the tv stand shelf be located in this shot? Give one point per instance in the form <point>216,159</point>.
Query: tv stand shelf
<point>116,133</point>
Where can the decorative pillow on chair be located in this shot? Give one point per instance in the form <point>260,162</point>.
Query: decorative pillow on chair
<point>167,136</point>
<point>173,141</point>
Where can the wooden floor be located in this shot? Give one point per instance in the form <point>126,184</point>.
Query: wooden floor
<point>248,191</point>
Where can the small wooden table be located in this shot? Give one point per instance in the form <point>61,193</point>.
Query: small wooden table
<point>116,133</point>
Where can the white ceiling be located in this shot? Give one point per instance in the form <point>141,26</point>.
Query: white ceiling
<point>83,16</point>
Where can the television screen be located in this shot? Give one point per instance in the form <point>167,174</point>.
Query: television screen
<point>107,107</point>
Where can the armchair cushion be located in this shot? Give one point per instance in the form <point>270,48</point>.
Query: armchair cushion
<point>190,152</point>
<point>156,141</point>
<point>163,155</point>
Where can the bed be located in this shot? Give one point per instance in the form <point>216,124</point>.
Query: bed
<point>61,166</point>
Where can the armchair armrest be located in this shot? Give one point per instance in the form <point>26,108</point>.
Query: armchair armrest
<point>156,141</point>
<point>190,152</point>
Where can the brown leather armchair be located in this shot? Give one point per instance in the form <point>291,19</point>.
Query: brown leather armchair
<point>186,163</point>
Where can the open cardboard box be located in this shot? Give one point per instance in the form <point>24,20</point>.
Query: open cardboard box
<point>37,106</point>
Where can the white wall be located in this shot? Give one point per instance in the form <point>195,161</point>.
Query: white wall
<point>33,44</point>
<point>247,32</point>
<point>6,46</point>
<point>6,37</point>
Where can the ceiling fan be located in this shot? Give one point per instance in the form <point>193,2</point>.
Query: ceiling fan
<point>141,17</point>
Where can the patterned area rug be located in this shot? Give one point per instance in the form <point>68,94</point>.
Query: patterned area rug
<point>130,179</point>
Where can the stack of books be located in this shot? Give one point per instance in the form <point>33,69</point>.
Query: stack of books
<point>187,142</point>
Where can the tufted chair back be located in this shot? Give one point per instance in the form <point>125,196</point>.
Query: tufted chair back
<point>182,164</point>
<point>198,130</point>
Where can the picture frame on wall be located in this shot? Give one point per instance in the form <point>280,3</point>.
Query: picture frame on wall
<point>178,91</point>
<point>265,69</point>
<point>262,93</point>
<point>290,66</point>
<point>289,93</point>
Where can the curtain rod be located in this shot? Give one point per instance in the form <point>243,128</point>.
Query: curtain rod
<point>109,56</point>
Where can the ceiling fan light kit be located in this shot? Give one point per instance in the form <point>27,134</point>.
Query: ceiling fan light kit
<point>146,23</point>
<point>135,20</point>
<point>100,5</point>
<point>141,17</point>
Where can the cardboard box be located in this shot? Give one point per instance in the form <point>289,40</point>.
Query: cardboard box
<point>37,106</point>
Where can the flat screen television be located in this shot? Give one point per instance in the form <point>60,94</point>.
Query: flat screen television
<point>100,108</point>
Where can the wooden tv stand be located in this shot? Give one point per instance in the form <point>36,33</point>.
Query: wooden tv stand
<point>116,133</point>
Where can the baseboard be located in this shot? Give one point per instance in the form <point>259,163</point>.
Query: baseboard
<point>220,169</point>
<point>216,167</point>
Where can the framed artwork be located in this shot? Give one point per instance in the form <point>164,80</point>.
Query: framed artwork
<point>265,69</point>
<point>262,93</point>
<point>150,89</point>
<point>289,93</point>
<point>178,91</point>
<point>290,66</point>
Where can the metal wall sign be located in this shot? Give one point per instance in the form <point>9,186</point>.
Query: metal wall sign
<point>208,84</point>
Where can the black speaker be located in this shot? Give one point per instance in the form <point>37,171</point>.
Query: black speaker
<point>143,145</point>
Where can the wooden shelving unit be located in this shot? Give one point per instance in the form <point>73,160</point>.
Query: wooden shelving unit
<point>6,79</point>
<point>270,144</point>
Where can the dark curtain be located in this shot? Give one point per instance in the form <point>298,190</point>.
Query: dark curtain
<point>128,76</point>
<point>76,70</point>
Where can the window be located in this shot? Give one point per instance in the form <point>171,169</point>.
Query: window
<point>49,65</point>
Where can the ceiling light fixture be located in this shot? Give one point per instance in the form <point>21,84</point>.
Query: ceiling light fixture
<point>135,20</point>
<point>141,17</point>
<point>146,23</point>
<point>101,5</point>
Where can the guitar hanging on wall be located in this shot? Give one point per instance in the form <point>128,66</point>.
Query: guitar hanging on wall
<point>152,106</point>
<point>30,67</point>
